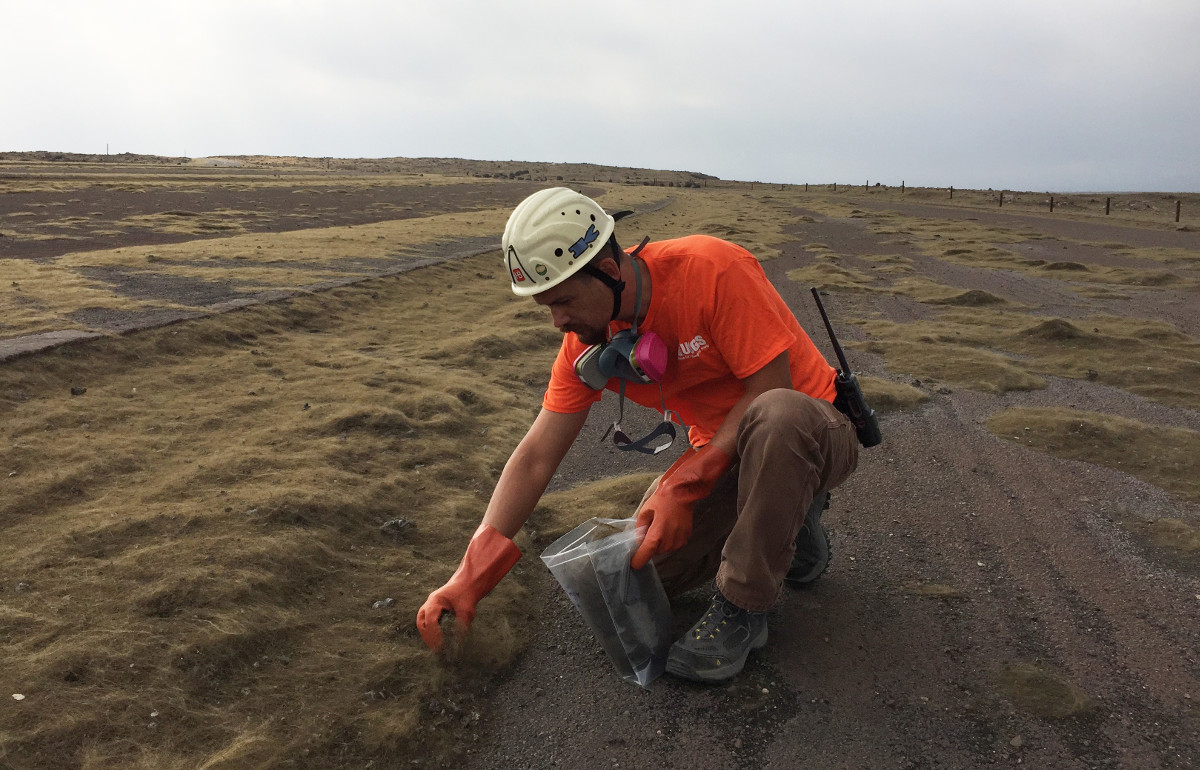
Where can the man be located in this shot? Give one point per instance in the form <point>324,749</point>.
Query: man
<point>743,504</point>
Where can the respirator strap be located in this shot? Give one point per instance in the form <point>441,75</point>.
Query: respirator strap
<point>667,426</point>
<point>637,282</point>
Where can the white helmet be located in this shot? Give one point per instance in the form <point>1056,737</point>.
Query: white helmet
<point>550,236</point>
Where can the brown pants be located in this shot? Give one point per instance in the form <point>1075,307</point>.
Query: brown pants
<point>790,447</point>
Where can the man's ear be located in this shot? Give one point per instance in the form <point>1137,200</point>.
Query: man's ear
<point>607,262</point>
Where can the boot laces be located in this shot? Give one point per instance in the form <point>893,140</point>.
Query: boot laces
<point>720,612</point>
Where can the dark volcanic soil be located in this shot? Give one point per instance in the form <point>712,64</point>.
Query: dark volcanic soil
<point>95,215</point>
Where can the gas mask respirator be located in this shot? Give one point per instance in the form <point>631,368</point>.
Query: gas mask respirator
<point>640,358</point>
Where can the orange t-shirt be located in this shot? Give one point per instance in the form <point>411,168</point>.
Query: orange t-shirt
<point>721,320</point>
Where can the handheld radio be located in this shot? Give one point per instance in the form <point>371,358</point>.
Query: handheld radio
<point>849,400</point>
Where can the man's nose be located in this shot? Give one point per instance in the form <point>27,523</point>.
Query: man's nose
<point>559,317</point>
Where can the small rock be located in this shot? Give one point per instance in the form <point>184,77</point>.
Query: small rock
<point>1017,742</point>
<point>18,696</point>
<point>396,527</point>
<point>737,743</point>
<point>383,603</point>
<point>78,391</point>
<point>23,587</point>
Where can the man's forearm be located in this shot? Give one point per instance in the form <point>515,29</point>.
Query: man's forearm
<point>775,374</point>
<point>725,438</point>
<point>521,485</point>
<point>530,468</point>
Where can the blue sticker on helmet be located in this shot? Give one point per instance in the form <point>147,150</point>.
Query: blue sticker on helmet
<point>588,238</point>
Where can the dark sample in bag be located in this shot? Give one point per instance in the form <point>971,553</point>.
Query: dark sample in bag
<point>626,609</point>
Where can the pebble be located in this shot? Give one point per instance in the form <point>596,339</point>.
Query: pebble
<point>1017,742</point>
<point>383,603</point>
<point>396,527</point>
<point>18,696</point>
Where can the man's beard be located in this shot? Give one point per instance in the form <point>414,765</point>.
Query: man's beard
<point>591,336</point>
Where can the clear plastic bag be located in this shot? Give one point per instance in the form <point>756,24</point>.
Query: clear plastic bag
<point>626,609</point>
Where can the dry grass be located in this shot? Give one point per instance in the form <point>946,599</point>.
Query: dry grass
<point>40,297</point>
<point>1161,455</point>
<point>975,245</point>
<point>192,547</point>
<point>996,351</point>
<point>833,277</point>
<point>750,218</point>
<point>617,498</point>
<point>888,396</point>
<point>1044,693</point>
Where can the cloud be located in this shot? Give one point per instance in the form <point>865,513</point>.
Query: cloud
<point>1022,94</point>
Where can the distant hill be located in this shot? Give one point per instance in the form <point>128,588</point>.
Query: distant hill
<point>509,169</point>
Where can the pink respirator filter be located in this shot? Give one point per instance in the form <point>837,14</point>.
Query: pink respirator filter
<point>650,356</point>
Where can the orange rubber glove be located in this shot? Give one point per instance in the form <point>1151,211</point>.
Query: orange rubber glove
<point>489,557</point>
<point>668,512</point>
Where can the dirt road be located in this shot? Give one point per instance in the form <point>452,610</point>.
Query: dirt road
<point>987,605</point>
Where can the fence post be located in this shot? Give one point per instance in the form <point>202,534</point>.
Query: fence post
<point>1051,204</point>
<point>951,192</point>
<point>1001,199</point>
<point>901,186</point>
<point>1107,205</point>
<point>806,187</point>
<point>1177,210</point>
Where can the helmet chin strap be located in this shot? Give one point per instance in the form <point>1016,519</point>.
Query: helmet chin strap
<point>618,286</point>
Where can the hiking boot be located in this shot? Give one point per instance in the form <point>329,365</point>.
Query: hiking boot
<point>812,546</point>
<point>715,649</point>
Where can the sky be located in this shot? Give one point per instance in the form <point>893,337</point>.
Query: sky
<point>1040,95</point>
